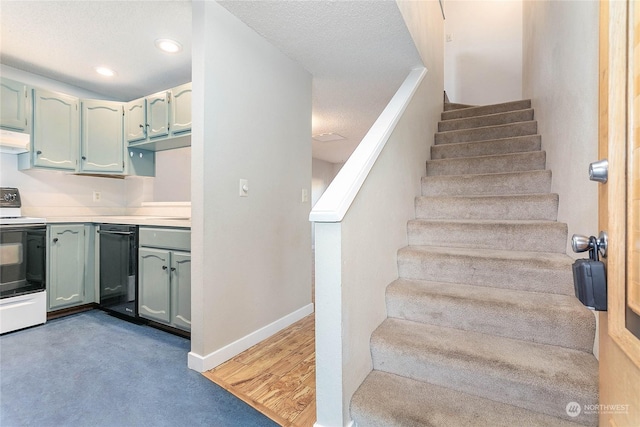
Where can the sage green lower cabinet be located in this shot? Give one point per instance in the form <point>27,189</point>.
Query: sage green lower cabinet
<point>164,276</point>
<point>154,285</point>
<point>181,290</point>
<point>66,252</point>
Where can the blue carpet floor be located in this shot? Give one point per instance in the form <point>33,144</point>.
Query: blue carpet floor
<point>92,369</point>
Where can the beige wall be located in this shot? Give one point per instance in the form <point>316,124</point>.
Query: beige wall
<point>252,120</point>
<point>560,75</point>
<point>483,60</point>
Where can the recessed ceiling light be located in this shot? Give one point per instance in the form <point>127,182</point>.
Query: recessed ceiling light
<point>104,71</point>
<point>169,46</point>
<point>326,137</point>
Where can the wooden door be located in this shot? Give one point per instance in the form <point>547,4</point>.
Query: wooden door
<point>154,291</point>
<point>158,115</point>
<point>619,208</point>
<point>181,290</point>
<point>66,265</point>
<point>135,120</point>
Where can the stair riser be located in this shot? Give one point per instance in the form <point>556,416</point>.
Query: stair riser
<point>486,148</point>
<point>486,109</point>
<point>550,237</point>
<point>451,106</point>
<point>490,120</point>
<point>493,317</point>
<point>487,164</point>
<point>488,133</point>
<point>514,183</point>
<point>533,207</point>
<point>530,275</point>
<point>436,369</point>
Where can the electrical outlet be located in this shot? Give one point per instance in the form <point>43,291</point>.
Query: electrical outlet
<point>96,196</point>
<point>449,37</point>
<point>244,188</point>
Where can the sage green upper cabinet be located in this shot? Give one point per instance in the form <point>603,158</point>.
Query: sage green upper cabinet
<point>180,109</point>
<point>66,253</point>
<point>14,108</point>
<point>102,144</point>
<point>135,119</point>
<point>158,115</point>
<point>55,130</point>
<point>161,121</point>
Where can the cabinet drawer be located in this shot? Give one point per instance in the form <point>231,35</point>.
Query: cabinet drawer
<point>179,239</point>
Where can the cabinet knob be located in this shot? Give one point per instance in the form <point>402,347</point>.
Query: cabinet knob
<point>38,152</point>
<point>164,267</point>
<point>55,239</point>
<point>141,126</point>
<point>173,269</point>
<point>84,158</point>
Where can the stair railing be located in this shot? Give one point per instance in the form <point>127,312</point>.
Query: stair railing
<point>360,223</point>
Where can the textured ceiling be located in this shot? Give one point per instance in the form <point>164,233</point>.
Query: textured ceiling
<point>65,40</point>
<point>358,52</point>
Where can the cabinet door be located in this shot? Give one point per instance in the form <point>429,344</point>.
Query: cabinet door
<point>135,120</point>
<point>13,112</point>
<point>181,109</point>
<point>55,130</point>
<point>158,115</point>
<point>154,296</point>
<point>66,265</point>
<point>181,290</point>
<point>102,145</point>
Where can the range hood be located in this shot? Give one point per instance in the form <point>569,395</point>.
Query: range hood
<point>14,142</point>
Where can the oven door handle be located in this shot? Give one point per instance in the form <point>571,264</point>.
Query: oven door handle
<point>120,233</point>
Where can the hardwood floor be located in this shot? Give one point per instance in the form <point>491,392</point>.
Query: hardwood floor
<point>277,376</point>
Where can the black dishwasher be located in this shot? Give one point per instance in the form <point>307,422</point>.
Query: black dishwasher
<point>118,269</point>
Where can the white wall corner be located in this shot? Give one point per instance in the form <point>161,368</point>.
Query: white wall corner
<point>204,363</point>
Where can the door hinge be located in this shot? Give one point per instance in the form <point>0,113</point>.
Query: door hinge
<point>123,164</point>
<point>168,97</point>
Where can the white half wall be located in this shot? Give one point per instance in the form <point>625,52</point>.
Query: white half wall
<point>483,60</point>
<point>357,258</point>
<point>251,256</point>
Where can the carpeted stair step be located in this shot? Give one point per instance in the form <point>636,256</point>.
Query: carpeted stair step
<point>519,144</point>
<point>388,400</point>
<point>453,106</point>
<point>507,207</point>
<point>532,376</point>
<point>533,236</point>
<point>515,162</point>
<point>487,133</point>
<point>484,110</point>
<point>518,270</point>
<point>488,120</point>
<point>530,182</point>
<point>530,316</point>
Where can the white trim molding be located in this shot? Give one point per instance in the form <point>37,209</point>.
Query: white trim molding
<point>204,363</point>
<point>336,200</point>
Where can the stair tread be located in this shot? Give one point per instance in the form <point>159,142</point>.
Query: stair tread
<point>553,367</point>
<point>504,117</point>
<point>521,182</point>
<point>511,298</point>
<point>481,109</point>
<point>545,259</point>
<point>489,196</point>
<point>487,156</point>
<point>388,400</point>
<point>471,130</point>
<point>541,222</point>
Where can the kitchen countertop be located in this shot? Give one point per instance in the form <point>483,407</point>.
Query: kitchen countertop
<point>149,220</point>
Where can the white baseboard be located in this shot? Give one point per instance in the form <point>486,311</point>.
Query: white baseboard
<point>351,424</point>
<point>204,363</point>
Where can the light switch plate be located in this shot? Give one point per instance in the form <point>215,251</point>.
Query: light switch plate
<point>244,188</point>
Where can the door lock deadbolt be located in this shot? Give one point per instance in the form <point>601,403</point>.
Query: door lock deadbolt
<point>599,171</point>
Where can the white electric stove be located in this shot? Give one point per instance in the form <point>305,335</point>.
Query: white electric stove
<point>23,295</point>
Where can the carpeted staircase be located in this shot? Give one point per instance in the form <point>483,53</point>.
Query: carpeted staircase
<point>483,328</point>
